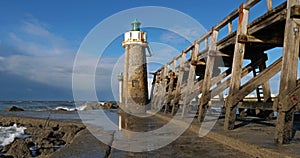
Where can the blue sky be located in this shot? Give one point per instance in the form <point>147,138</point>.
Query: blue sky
<point>39,41</point>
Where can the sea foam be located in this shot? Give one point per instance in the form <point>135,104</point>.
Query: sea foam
<point>8,134</point>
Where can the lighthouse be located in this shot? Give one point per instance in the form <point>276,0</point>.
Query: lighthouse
<point>135,86</point>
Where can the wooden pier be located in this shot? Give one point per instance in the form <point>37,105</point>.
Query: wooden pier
<point>181,81</point>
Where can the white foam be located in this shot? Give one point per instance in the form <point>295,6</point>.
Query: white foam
<point>79,108</point>
<point>8,134</point>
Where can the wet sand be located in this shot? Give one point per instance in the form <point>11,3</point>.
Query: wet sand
<point>252,139</point>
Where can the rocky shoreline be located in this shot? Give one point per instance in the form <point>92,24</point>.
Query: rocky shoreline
<point>44,136</point>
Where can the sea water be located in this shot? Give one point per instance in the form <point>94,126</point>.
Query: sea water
<point>8,134</point>
<point>44,105</point>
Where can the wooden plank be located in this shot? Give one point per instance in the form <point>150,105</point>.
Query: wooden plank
<point>250,3</point>
<point>208,74</point>
<point>190,82</point>
<point>178,86</point>
<point>229,27</point>
<point>253,83</point>
<point>159,90</point>
<point>288,79</point>
<point>164,86</point>
<point>292,99</point>
<point>256,105</point>
<point>155,92</point>
<point>269,5</point>
<point>227,19</point>
<point>225,84</point>
<point>238,57</point>
<point>171,84</point>
<point>266,85</point>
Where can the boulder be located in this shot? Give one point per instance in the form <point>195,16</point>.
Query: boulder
<point>13,108</point>
<point>19,149</point>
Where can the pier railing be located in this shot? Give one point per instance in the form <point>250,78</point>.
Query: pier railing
<point>183,80</point>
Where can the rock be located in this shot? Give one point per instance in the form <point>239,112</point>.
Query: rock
<point>13,108</point>
<point>110,105</point>
<point>19,149</point>
<point>92,106</point>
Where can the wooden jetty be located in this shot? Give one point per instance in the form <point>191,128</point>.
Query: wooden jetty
<point>183,80</point>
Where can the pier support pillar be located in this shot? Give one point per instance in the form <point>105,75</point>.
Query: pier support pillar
<point>239,51</point>
<point>288,80</point>
<point>210,64</point>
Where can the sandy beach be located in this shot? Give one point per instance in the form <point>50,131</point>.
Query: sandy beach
<point>58,133</point>
<point>57,137</point>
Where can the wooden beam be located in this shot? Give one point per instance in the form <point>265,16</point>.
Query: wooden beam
<point>253,83</point>
<point>190,81</point>
<point>266,85</point>
<point>229,27</point>
<point>178,86</point>
<point>292,99</point>
<point>269,5</point>
<point>248,39</point>
<point>238,57</point>
<point>285,119</point>
<point>208,74</point>
<point>155,93</point>
<point>257,105</point>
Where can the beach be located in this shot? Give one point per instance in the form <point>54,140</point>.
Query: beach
<point>58,137</point>
<point>87,133</point>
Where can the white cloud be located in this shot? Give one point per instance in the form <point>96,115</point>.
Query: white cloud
<point>42,56</point>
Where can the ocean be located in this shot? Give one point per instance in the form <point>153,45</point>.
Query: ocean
<point>44,105</point>
<point>39,109</point>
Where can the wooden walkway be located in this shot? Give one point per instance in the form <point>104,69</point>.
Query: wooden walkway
<point>183,80</point>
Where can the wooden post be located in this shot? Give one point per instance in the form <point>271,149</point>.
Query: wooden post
<point>238,57</point>
<point>163,85</point>
<point>285,118</point>
<point>190,80</point>
<point>171,84</point>
<point>266,85</point>
<point>208,74</point>
<point>178,86</point>
<point>269,5</point>
<point>159,90</point>
<point>229,27</point>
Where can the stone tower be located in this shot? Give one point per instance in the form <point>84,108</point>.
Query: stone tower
<point>135,86</point>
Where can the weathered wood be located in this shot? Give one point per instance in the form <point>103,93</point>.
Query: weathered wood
<point>269,5</point>
<point>283,132</point>
<point>225,84</point>
<point>238,57</point>
<point>291,99</point>
<point>253,83</point>
<point>177,94</point>
<point>164,86</point>
<point>158,90</point>
<point>190,81</point>
<point>276,15</point>
<point>229,27</point>
<point>266,85</point>
<point>156,93</point>
<point>208,74</point>
<point>250,3</point>
<point>257,105</point>
<point>171,84</point>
